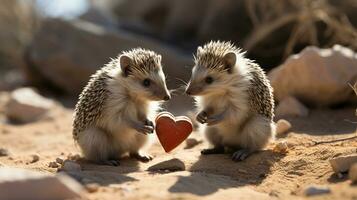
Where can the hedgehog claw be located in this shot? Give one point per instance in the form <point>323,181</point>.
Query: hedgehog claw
<point>241,155</point>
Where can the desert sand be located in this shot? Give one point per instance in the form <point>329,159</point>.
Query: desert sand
<point>265,175</point>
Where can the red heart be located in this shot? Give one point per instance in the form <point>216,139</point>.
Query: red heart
<point>171,130</point>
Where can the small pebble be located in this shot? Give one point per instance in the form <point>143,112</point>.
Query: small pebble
<point>316,190</point>
<point>59,160</point>
<point>281,147</point>
<point>35,158</point>
<point>53,165</point>
<point>282,127</point>
<point>4,152</point>
<point>352,173</point>
<point>170,165</point>
<point>92,187</point>
<point>72,166</point>
<point>73,157</point>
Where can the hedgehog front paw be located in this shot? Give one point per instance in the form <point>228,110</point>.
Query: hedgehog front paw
<point>143,157</point>
<point>241,155</point>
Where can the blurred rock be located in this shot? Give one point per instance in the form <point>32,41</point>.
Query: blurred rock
<point>192,142</point>
<point>4,152</point>
<point>352,173</point>
<point>282,126</point>
<point>343,163</point>
<point>318,77</point>
<point>92,187</point>
<point>100,17</point>
<point>25,184</point>
<point>316,190</point>
<point>59,160</point>
<point>281,147</point>
<point>71,166</point>
<point>66,53</point>
<point>170,165</point>
<point>290,106</point>
<point>26,105</point>
<point>34,158</point>
<point>53,165</point>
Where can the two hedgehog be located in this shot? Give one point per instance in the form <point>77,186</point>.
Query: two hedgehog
<point>232,93</point>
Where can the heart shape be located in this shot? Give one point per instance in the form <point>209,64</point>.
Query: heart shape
<point>171,130</point>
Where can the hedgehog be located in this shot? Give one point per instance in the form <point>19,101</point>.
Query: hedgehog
<point>234,99</point>
<point>115,110</point>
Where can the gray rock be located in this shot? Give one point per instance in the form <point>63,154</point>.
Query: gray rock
<point>169,165</point>
<point>67,53</point>
<point>316,76</point>
<point>26,105</point>
<point>290,106</point>
<point>16,184</point>
<point>316,190</point>
<point>343,163</point>
<point>71,166</point>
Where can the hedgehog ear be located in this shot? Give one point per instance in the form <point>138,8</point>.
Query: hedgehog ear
<point>229,61</point>
<point>159,58</point>
<point>125,62</point>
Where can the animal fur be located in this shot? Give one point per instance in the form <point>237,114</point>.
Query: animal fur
<point>240,91</point>
<point>113,101</point>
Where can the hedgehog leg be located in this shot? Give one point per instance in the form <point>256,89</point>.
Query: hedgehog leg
<point>254,136</point>
<point>215,140</point>
<point>96,146</point>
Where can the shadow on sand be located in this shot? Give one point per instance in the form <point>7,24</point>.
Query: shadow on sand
<point>214,172</point>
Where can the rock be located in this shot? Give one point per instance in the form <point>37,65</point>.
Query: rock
<point>73,157</point>
<point>282,126</point>
<point>281,147</point>
<point>66,53</point>
<point>316,190</point>
<point>16,184</point>
<point>192,142</point>
<point>290,106</point>
<point>53,165</point>
<point>170,165</point>
<point>4,152</point>
<point>35,158</point>
<point>92,187</point>
<point>297,76</point>
<point>71,166</point>
<point>59,160</point>
<point>26,105</point>
<point>352,173</point>
<point>343,163</point>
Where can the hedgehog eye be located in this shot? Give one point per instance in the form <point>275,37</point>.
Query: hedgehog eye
<point>209,80</point>
<point>146,82</point>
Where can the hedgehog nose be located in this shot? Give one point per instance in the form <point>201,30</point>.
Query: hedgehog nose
<point>167,97</point>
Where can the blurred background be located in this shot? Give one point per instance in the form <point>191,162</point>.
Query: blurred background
<point>55,45</point>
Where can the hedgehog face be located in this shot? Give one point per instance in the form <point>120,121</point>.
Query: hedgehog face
<point>211,77</point>
<point>145,79</point>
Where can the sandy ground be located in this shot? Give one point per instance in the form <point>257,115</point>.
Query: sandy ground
<point>265,175</point>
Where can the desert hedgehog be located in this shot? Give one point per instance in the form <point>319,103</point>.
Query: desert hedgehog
<point>235,100</point>
<point>115,109</point>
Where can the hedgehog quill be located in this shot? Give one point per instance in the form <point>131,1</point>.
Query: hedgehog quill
<point>114,112</point>
<point>234,99</point>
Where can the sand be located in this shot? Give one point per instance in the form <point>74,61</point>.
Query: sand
<point>265,175</point>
